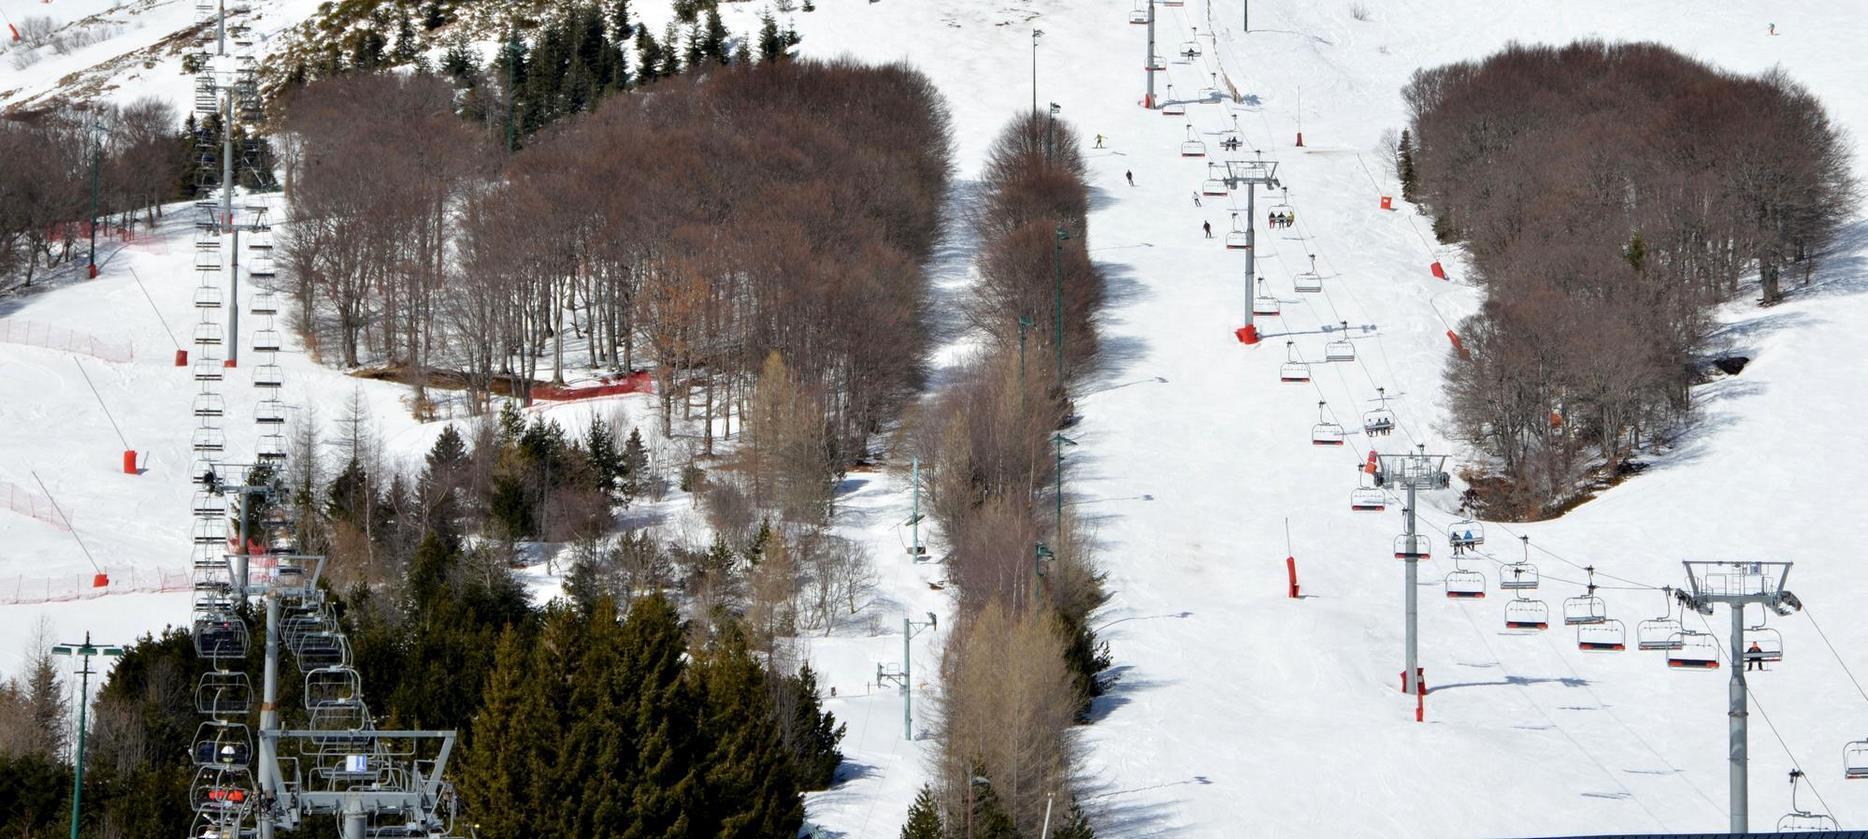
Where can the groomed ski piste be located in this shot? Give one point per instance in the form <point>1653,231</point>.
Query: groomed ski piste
<point>1235,710</point>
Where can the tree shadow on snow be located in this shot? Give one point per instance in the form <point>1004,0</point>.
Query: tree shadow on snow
<point>1513,681</point>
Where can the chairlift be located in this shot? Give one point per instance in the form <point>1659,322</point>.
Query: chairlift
<point>222,744</point>
<point>262,267</point>
<point>208,370</point>
<point>1462,584</point>
<point>220,636</point>
<point>329,687</point>
<point>1799,820</point>
<point>1213,185</point>
<point>1325,432</point>
<point>1309,282</point>
<point>261,241</point>
<point>1855,760</point>
<point>1138,15</point>
<point>1367,499</point>
<point>266,340</point>
<point>1282,204</point>
<point>268,376</point>
<point>207,260</point>
<point>1193,146</point>
<point>1465,534</point>
<point>1526,614</point>
<point>1340,349</point>
<point>1238,238</point>
<point>222,693</point>
<point>207,505</point>
<point>1264,303</point>
<point>1380,422</point>
<point>1294,370</point>
<point>1762,643</point>
<point>1585,608</point>
<point>1659,633</point>
<point>1418,546</point>
<point>271,448</point>
<point>209,405</point>
<point>1189,50</point>
<point>209,439</point>
<point>265,303</point>
<point>1693,651</point>
<point>208,297</point>
<point>207,334</point>
<point>269,412</point>
<point>1232,140</point>
<point>1605,637</point>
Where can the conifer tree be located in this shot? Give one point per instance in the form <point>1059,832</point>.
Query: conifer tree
<point>634,466</point>
<point>1074,825</point>
<point>648,56</point>
<point>670,55</point>
<point>814,733</point>
<point>606,462</point>
<point>496,779</point>
<point>1404,164</point>
<point>751,787</point>
<point>667,775</point>
<point>771,41</point>
<point>406,48</point>
<point>924,817</point>
<point>714,36</point>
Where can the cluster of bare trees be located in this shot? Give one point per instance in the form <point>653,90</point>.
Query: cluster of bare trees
<point>1610,195</point>
<point>1020,667</point>
<point>693,229</point>
<point>46,179</point>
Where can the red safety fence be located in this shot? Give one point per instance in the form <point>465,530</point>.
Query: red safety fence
<point>637,382</point>
<point>28,503</point>
<point>35,334</point>
<point>22,590</point>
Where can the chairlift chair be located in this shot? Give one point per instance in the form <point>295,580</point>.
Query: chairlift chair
<point>1694,651</point>
<point>224,744</point>
<point>207,260</point>
<point>1465,585</point>
<point>1418,546</point>
<point>262,267</point>
<point>207,334</point>
<point>266,340</point>
<point>1799,820</point>
<point>1189,50</point>
<point>1138,15</point>
<point>269,412</point>
<point>268,376</point>
<point>1193,146</point>
<point>1605,637</point>
<point>208,532</point>
<point>1238,238</point>
<point>1524,613</point>
<point>210,405</point>
<point>1367,499</point>
<point>1340,349</point>
<point>209,439</point>
<point>1282,204</point>
<point>208,370</point>
<point>1855,760</point>
<point>1294,370</point>
<point>208,297</point>
<point>1325,432</point>
<point>271,448</point>
<point>220,636</point>
<point>261,241</point>
<point>223,693</point>
<point>328,687</point>
<point>1213,185</point>
<point>1662,633</point>
<point>1769,643</point>
<point>1264,303</point>
<point>1380,421</point>
<point>265,303</point>
<point>1465,534</point>
<point>1585,608</point>
<point>1309,282</point>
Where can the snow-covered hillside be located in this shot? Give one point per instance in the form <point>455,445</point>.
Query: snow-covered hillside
<point>1237,711</point>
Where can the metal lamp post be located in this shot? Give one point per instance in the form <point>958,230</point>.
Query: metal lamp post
<point>83,651</point>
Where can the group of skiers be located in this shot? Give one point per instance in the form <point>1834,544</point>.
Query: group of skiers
<point>1284,219</point>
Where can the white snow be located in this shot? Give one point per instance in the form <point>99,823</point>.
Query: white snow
<point>1237,711</point>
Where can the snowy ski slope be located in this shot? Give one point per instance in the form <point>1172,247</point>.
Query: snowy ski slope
<point>1238,712</point>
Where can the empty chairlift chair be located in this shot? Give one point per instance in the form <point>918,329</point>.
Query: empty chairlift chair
<point>1215,183</point>
<point>1340,349</point>
<point>262,266</point>
<point>1585,608</point>
<point>265,303</point>
<point>1379,422</point>
<point>1264,303</point>
<point>1238,238</point>
<point>1693,651</point>
<point>1855,760</point>
<point>1660,633</point>
<point>1462,584</point>
<point>208,297</point>
<point>207,334</point>
<point>1193,146</point>
<point>208,369</point>
<point>210,405</point>
<point>1799,820</point>
<point>223,693</point>
<point>209,439</point>
<point>1170,107</point>
<point>268,376</point>
<point>1294,370</point>
<point>1605,637</point>
<point>1139,14</point>
<point>1418,546</point>
<point>1325,432</point>
<point>1309,282</point>
<point>269,412</point>
<point>1366,499</point>
<point>1524,614</point>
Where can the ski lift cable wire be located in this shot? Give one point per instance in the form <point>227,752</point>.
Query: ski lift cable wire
<point>1832,651</point>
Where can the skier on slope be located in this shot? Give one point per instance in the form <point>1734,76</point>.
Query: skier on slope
<point>1130,175</point>
<point>1099,141</point>
<point>1196,198</point>
<point>1206,226</point>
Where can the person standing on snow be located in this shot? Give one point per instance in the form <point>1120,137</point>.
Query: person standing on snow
<point>1099,141</point>
<point>1206,226</point>
<point>1130,175</point>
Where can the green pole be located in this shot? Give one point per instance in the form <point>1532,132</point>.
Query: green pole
<point>83,651</point>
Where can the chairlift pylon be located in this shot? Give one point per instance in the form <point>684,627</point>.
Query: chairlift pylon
<point>1325,432</point>
<point>1294,370</point>
<point>1379,422</point>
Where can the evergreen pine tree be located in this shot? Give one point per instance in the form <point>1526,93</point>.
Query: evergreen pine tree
<point>1075,825</point>
<point>606,462</point>
<point>1404,153</point>
<point>924,817</point>
<point>771,41</point>
<point>815,732</point>
<point>583,584</point>
<point>620,22</point>
<point>714,38</point>
<point>496,778</point>
<point>348,499</point>
<point>670,55</point>
<point>751,788</point>
<point>634,466</point>
<point>406,48</point>
<point>648,56</point>
<point>668,775</point>
<point>990,821</point>
<point>696,49</point>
